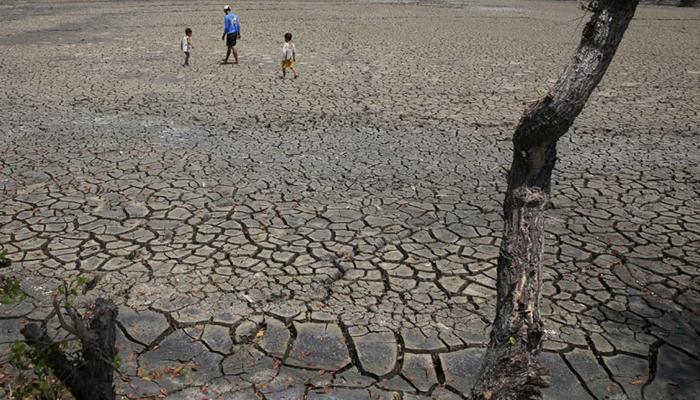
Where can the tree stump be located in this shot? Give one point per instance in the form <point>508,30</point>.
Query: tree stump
<point>92,376</point>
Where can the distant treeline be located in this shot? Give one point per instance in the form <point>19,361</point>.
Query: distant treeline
<point>671,3</point>
<point>678,3</point>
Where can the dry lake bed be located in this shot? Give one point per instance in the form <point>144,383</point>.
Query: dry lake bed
<point>335,236</point>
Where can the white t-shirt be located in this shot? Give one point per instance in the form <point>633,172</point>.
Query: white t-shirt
<point>288,51</point>
<point>186,47</point>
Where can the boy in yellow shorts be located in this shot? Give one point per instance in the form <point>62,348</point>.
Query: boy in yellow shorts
<point>289,56</point>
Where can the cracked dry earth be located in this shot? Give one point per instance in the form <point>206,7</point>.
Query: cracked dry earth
<point>335,237</point>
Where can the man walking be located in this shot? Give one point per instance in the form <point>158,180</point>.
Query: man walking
<point>232,32</point>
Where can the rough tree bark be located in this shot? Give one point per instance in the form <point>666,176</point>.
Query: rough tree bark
<point>91,377</point>
<point>510,369</point>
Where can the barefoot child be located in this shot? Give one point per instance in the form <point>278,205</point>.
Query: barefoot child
<point>187,45</point>
<point>289,56</point>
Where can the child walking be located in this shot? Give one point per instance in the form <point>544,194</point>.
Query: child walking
<point>187,46</point>
<point>289,56</point>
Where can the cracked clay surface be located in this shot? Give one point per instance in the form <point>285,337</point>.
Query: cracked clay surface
<point>335,237</point>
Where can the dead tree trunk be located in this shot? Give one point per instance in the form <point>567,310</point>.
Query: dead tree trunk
<point>91,377</point>
<point>509,369</point>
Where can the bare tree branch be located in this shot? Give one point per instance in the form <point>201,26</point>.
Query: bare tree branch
<point>61,320</point>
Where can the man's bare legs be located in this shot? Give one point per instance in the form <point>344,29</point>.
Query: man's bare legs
<point>231,49</point>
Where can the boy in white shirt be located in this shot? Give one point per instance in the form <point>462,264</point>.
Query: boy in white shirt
<point>289,56</point>
<point>187,46</point>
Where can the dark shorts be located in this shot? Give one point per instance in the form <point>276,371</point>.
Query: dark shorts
<point>231,39</point>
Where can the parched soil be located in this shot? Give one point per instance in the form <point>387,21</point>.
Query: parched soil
<point>335,236</point>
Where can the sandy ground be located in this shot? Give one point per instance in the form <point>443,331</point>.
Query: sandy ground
<point>335,236</point>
